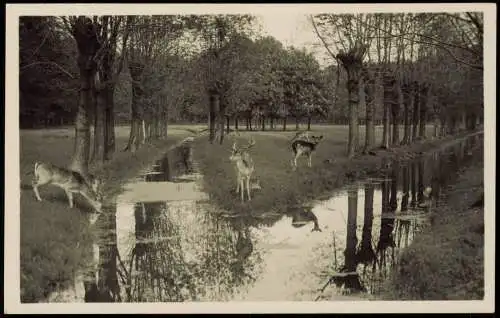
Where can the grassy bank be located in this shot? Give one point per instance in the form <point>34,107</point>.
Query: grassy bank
<point>446,262</point>
<point>54,238</point>
<point>283,188</point>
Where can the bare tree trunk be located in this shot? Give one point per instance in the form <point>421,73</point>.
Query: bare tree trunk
<point>222,117</point>
<point>227,125</point>
<point>136,70</point>
<point>453,124</point>
<point>284,123</point>
<point>212,113</point>
<point>296,123</point>
<point>109,131</point>
<point>263,122</point>
<point>84,32</point>
<point>152,125</point>
<point>388,83</point>
<point>370,113</point>
<point>81,151</point>
<point>353,89</point>
<point>463,123</point>
<point>442,119</point>
<point>395,108</point>
<point>236,123</point>
<point>416,110</point>
<point>221,129</point>
<point>309,123</point>
<point>406,113</point>
<point>144,131</point>
<point>165,122</point>
<point>104,127</point>
<point>100,123</point>
<point>436,126</point>
<point>473,121</point>
<point>352,62</point>
<point>424,99</point>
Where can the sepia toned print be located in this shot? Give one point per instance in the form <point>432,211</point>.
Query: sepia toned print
<point>225,157</point>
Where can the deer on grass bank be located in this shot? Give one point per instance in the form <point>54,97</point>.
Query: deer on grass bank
<point>70,181</point>
<point>301,135</point>
<point>302,147</point>
<point>244,167</point>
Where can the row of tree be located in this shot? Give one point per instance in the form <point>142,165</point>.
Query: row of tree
<point>424,66</point>
<point>408,68</point>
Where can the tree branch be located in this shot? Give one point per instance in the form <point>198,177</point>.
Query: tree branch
<point>440,44</point>
<point>47,63</point>
<point>323,40</point>
<point>124,46</point>
<point>67,25</point>
<point>476,22</point>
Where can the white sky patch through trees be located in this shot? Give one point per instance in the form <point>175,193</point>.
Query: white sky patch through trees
<point>294,29</point>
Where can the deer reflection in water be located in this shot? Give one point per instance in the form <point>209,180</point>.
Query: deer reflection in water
<point>303,215</point>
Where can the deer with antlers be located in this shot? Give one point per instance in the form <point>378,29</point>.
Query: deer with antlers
<point>244,167</point>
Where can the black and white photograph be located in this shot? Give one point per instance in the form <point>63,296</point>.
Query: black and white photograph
<point>246,158</point>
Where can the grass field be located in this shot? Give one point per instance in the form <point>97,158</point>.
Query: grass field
<point>283,188</point>
<point>53,237</point>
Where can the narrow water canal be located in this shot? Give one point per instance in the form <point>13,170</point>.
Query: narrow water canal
<point>163,241</point>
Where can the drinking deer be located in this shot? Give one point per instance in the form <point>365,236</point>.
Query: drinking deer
<point>244,167</point>
<point>70,181</point>
<point>303,147</point>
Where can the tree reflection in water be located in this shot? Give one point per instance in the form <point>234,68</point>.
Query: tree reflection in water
<point>185,251</point>
<point>157,261</point>
<point>396,228</point>
<point>102,284</point>
<point>365,254</point>
<point>347,277</point>
<point>403,225</point>
<point>386,238</point>
<point>194,261</point>
<point>243,250</point>
<point>200,257</point>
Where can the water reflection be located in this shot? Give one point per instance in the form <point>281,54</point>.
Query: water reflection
<point>397,206</point>
<point>101,283</point>
<point>171,250</point>
<point>174,246</point>
<point>365,254</point>
<point>351,279</point>
<point>403,225</point>
<point>302,216</point>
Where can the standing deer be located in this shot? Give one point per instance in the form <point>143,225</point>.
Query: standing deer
<point>302,147</point>
<point>244,167</point>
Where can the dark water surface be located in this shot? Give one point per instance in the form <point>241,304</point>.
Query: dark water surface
<point>164,242</point>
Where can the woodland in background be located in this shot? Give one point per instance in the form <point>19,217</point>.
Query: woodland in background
<point>148,71</point>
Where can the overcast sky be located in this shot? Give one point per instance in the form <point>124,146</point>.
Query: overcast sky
<point>294,29</point>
